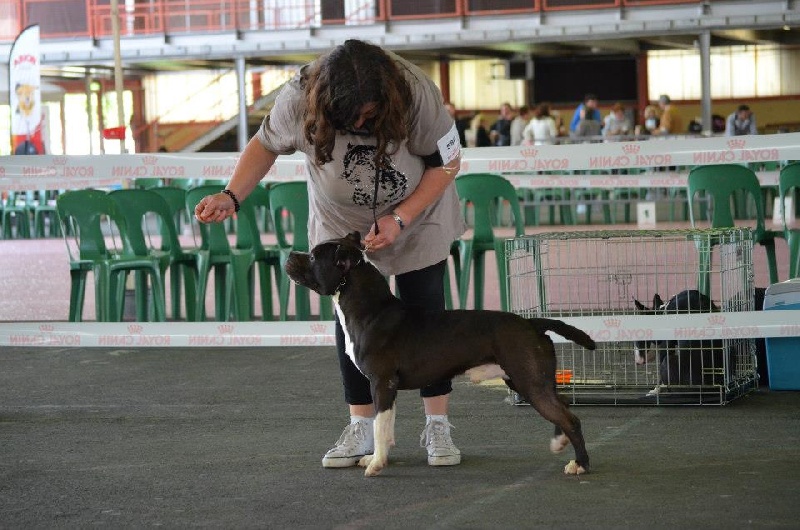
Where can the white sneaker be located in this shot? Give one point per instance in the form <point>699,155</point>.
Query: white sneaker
<point>436,439</point>
<point>356,441</point>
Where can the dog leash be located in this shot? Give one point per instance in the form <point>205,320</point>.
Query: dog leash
<point>375,197</point>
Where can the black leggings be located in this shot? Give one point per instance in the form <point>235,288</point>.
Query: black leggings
<point>422,288</point>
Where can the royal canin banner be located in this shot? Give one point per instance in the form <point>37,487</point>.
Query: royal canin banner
<point>25,98</point>
<point>566,166</point>
<point>696,326</point>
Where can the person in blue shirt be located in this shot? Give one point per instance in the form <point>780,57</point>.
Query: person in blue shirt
<point>592,112</point>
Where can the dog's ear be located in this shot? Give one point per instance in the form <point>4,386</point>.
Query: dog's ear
<point>639,306</point>
<point>346,258</point>
<point>355,239</point>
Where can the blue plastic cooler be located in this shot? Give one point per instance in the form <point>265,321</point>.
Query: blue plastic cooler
<point>783,353</point>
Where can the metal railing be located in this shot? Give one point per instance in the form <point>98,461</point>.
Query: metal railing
<point>92,18</point>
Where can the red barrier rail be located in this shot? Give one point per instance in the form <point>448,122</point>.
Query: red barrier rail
<point>92,18</point>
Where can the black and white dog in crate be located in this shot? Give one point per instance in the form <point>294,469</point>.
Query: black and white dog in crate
<point>682,362</point>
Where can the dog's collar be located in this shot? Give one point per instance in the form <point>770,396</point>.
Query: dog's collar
<point>344,278</point>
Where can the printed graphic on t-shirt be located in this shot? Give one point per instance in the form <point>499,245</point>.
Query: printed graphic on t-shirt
<point>359,171</point>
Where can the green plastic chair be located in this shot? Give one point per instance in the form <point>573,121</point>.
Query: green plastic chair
<point>265,257</point>
<point>176,202</point>
<point>16,211</point>
<point>789,179</point>
<point>86,210</point>
<point>43,208</point>
<point>721,183</point>
<point>184,184</point>
<point>218,256</point>
<point>482,190</point>
<point>147,183</point>
<point>143,208</point>
<point>291,198</point>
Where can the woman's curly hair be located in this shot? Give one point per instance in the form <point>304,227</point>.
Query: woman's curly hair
<point>340,83</point>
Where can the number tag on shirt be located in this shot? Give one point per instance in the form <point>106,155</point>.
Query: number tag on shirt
<point>449,146</point>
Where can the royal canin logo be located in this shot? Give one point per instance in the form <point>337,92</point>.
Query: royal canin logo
<point>631,149</point>
<point>318,328</point>
<point>25,58</point>
<point>149,160</point>
<point>46,328</point>
<point>716,320</point>
<point>60,161</point>
<point>225,329</point>
<point>135,329</point>
<point>736,143</point>
<point>612,322</point>
<point>529,153</point>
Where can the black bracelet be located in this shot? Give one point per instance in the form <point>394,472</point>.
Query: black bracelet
<point>230,194</point>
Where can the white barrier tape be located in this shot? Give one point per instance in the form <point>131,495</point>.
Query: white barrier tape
<point>19,173</point>
<point>671,179</point>
<point>698,326</point>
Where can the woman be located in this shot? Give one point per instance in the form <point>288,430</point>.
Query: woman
<point>382,154</point>
<point>542,128</point>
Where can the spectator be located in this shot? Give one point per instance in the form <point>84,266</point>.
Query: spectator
<point>616,123</point>
<point>479,133</point>
<point>670,121</point>
<point>588,124</point>
<point>500,132</point>
<point>460,124</point>
<point>542,127</point>
<point>717,124</point>
<point>586,111</point>
<point>741,122</point>
<point>651,121</point>
<point>518,124</point>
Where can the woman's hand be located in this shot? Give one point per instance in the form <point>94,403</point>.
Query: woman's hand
<point>387,233</point>
<point>214,208</point>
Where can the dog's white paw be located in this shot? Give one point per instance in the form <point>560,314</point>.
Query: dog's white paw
<point>374,467</point>
<point>572,468</point>
<point>656,391</point>
<point>558,443</point>
<point>365,461</point>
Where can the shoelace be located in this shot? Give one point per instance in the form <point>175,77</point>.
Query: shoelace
<point>436,433</point>
<point>358,432</point>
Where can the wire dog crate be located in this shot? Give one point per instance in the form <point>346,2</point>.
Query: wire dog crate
<point>604,273</point>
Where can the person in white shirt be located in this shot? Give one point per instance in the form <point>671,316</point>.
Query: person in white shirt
<point>741,122</point>
<point>541,129</point>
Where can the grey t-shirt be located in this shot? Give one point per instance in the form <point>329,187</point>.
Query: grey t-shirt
<point>340,192</point>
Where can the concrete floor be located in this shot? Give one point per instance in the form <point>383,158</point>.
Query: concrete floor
<point>233,439</point>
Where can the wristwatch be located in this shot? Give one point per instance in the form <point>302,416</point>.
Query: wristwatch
<point>398,220</point>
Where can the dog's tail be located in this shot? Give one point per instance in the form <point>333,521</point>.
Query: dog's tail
<point>565,330</point>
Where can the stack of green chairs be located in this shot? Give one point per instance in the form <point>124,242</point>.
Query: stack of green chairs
<point>85,211</point>
<point>483,190</point>
<point>265,258</point>
<point>217,255</point>
<point>722,183</point>
<point>146,211</point>
<point>291,198</point>
<point>16,211</point>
